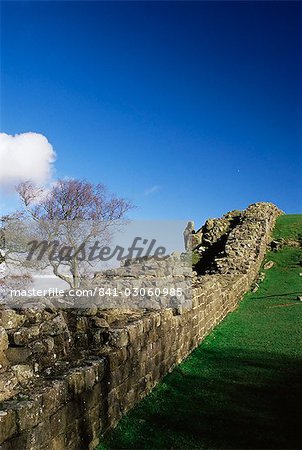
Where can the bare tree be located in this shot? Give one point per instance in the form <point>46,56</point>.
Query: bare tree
<point>14,273</point>
<point>72,212</point>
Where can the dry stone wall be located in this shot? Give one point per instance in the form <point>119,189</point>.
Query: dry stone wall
<point>66,376</point>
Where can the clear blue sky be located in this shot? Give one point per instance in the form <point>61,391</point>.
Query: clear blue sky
<point>190,109</point>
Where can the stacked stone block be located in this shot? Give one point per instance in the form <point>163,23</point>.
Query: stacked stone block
<point>68,376</point>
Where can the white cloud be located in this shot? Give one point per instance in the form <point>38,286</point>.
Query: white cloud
<point>152,190</point>
<point>26,156</point>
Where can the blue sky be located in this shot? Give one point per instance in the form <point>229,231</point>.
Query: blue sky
<point>189,109</point>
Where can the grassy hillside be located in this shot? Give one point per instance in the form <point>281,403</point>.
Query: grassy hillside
<point>242,387</point>
<point>288,227</point>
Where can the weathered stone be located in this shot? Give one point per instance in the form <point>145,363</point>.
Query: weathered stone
<point>18,355</point>
<point>39,347</point>
<point>54,397</point>
<point>81,324</point>
<point>21,441</point>
<point>28,414</point>
<point>9,319</point>
<point>55,326</point>
<point>4,362</point>
<point>36,315</point>
<point>118,338</point>
<point>23,373</point>
<point>76,381</point>
<point>91,311</point>
<point>3,340</point>
<point>8,385</point>
<point>26,334</point>
<point>8,424</point>
<point>100,322</point>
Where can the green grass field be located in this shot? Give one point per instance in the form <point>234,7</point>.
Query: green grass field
<point>242,387</point>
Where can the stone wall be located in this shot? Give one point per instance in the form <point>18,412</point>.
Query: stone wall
<point>67,376</point>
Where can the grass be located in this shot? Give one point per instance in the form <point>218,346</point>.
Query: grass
<point>288,227</point>
<point>242,387</point>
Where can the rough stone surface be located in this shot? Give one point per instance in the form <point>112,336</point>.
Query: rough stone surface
<point>3,340</point>
<point>9,319</point>
<point>268,265</point>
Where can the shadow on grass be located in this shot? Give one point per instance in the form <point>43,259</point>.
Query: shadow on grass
<point>278,295</point>
<point>219,399</point>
